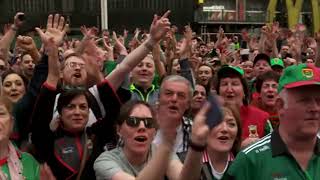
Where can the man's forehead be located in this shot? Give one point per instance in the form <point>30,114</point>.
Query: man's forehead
<point>175,86</point>
<point>74,59</point>
<point>148,59</point>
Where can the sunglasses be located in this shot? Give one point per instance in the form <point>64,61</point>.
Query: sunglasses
<point>135,122</point>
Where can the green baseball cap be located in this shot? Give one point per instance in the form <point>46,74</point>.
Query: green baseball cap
<point>229,68</point>
<point>277,62</point>
<point>299,75</point>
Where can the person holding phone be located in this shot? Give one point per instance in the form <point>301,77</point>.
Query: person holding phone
<point>214,141</point>
<point>223,143</point>
<point>233,88</point>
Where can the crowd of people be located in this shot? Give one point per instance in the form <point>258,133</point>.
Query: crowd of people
<point>109,107</point>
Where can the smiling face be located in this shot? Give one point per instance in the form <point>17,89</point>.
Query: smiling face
<point>231,90</point>
<point>247,67</point>
<point>74,72</point>
<point>260,67</point>
<point>222,137</point>
<point>204,74</point>
<point>13,87</point>
<point>143,73</point>
<point>175,67</point>
<point>137,140</point>
<point>74,116</point>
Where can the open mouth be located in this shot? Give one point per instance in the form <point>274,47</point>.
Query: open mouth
<point>140,138</point>
<point>174,108</point>
<point>14,95</point>
<point>77,75</point>
<point>229,96</point>
<point>224,138</point>
<point>270,96</point>
<point>199,100</point>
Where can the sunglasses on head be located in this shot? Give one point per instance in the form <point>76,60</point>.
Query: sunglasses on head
<point>135,122</point>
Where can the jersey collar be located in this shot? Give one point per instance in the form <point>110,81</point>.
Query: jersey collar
<point>278,147</point>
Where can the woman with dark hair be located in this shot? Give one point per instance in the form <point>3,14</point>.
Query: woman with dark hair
<point>14,164</point>
<point>66,144</point>
<point>198,99</point>
<point>13,85</point>
<point>134,152</point>
<point>267,88</point>
<point>232,86</point>
<point>136,157</point>
<point>14,88</point>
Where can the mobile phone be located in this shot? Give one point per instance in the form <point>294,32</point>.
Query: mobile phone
<point>21,17</point>
<point>214,115</point>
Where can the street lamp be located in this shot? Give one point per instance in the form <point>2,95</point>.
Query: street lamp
<point>104,14</point>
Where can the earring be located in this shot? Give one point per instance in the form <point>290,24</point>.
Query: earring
<point>120,142</point>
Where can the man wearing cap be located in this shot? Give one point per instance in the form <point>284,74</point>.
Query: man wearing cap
<point>293,150</point>
<point>261,64</point>
<point>277,65</point>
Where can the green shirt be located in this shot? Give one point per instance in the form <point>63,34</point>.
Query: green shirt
<point>269,159</point>
<point>31,168</point>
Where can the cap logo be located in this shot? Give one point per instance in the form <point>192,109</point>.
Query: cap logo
<point>308,73</point>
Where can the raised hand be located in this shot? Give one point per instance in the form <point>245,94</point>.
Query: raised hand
<point>119,46</point>
<point>220,34</point>
<point>159,27</point>
<point>56,29</point>
<point>93,57</point>
<point>185,47</point>
<point>26,43</point>
<point>109,48</point>
<point>200,129</point>
<point>89,32</point>
<point>16,21</point>
<point>6,28</point>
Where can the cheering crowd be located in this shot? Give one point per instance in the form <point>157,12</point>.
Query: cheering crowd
<point>109,107</point>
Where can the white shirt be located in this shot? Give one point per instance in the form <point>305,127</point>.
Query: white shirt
<point>178,147</point>
<point>92,119</point>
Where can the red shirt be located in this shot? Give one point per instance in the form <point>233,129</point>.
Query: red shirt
<point>251,115</point>
<point>273,113</point>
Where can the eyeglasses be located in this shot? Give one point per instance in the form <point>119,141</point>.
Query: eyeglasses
<point>135,122</point>
<point>73,65</point>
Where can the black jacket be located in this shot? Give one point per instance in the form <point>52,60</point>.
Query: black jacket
<point>102,132</point>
